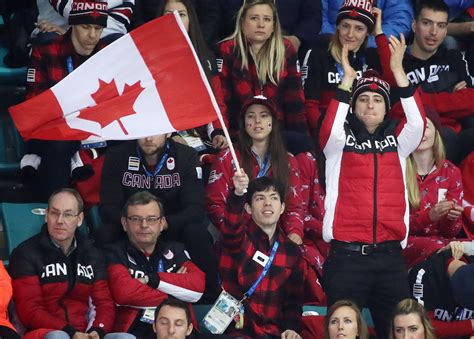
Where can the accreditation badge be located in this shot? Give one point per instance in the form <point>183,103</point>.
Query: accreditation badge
<point>222,313</point>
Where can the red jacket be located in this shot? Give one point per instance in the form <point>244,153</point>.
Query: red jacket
<point>220,185</point>
<point>240,85</point>
<point>365,183</point>
<point>55,291</point>
<point>312,196</point>
<point>448,177</point>
<point>5,296</point>
<point>126,264</point>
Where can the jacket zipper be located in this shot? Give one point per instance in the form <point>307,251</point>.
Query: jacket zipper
<point>375,197</point>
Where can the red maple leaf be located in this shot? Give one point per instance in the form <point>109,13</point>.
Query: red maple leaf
<point>373,86</point>
<point>112,106</point>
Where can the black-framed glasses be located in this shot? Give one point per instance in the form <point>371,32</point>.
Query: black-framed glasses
<point>150,220</point>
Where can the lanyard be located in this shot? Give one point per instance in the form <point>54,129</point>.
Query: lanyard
<point>161,267</point>
<point>160,163</point>
<point>263,168</point>
<point>70,66</point>
<point>252,289</point>
<point>340,71</point>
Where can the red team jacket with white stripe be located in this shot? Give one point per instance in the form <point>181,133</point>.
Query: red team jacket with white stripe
<point>126,264</point>
<point>366,199</point>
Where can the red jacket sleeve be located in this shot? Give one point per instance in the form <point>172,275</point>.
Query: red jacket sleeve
<point>218,187</point>
<point>127,291</point>
<point>233,230</point>
<point>37,80</point>
<point>104,306</point>
<point>218,94</point>
<point>187,287</point>
<point>292,219</point>
<point>383,51</point>
<point>451,329</point>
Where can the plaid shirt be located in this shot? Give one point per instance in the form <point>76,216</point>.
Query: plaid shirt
<point>239,85</point>
<point>277,302</point>
<point>49,64</point>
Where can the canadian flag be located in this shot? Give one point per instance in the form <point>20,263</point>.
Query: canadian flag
<point>147,82</point>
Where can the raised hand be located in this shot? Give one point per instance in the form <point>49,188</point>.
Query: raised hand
<point>241,182</point>
<point>349,73</point>
<point>377,13</point>
<point>397,51</point>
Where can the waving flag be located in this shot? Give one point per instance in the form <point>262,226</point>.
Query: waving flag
<point>146,83</point>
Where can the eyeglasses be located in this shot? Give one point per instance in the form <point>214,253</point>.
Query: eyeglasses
<point>136,220</point>
<point>67,216</point>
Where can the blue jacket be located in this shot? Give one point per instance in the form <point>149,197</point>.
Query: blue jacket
<point>297,17</point>
<point>397,16</point>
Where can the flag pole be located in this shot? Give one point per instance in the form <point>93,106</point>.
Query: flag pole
<point>229,141</point>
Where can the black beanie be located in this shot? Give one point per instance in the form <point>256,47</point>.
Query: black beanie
<point>371,82</point>
<point>360,10</point>
<point>88,12</point>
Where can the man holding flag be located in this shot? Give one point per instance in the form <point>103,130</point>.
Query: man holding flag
<point>50,63</point>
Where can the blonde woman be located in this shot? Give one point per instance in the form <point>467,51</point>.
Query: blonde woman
<point>256,60</point>
<point>435,195</point>
<point>411,321</point>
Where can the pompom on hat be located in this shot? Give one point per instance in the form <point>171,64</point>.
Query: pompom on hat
<point>88,12</point>
<point>360,10</point>
<point>371,82</point>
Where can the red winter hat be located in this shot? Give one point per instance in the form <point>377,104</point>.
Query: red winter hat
<point>360,10</point>
<point>88,12</point>
<point>371,82</point>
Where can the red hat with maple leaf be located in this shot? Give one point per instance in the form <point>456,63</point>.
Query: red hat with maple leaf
<point>371,82</point>
<point>88,12</point>
<point>360,10</point>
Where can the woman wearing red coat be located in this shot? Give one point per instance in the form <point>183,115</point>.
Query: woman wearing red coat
<point>435,195</point>
<point>261,153</point>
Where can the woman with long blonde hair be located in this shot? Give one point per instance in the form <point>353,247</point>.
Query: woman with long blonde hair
<point>411,321</point>
<point>257,60</point>
<point>435,196</point>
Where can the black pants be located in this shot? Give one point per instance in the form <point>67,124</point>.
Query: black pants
<point>54,171</point>
<point>7,333</point>
<point>377,281</point>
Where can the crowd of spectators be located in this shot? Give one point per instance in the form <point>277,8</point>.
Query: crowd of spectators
<point>353,126</point>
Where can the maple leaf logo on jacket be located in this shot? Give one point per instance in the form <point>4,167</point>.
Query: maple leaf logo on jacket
<point>103,112</point>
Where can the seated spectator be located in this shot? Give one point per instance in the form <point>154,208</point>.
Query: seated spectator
<point>461,23</point>
<point>443,285</point>
<point>53,16</point>
<point>50,63</point>
<point>261,152</point>
<point>396,18</point>
<point>344,319</point>
<point>442,74</point>
<point>144,269</point>
<point>366,211</point>
<point>256,60</point>
<point>435,194</point>
<point>59,276</point>
<point>170,171</point>
<point>209,138</point>
<point>172,319</point>
<point>354,23</point>
<point>273,307</point>
<point>7,331</point>
<point>300,20</point>
<point>410,321</point>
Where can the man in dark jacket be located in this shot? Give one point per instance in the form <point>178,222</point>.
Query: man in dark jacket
<point>170,171</point>
<point>59,277</point>
<point>144,270</point>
